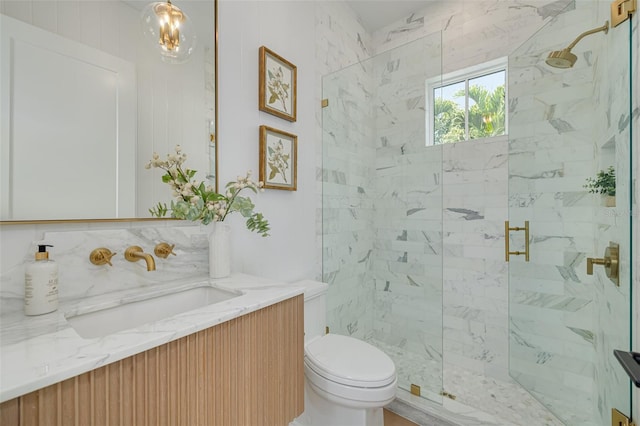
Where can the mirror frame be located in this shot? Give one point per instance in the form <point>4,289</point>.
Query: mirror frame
<point>216,139</point>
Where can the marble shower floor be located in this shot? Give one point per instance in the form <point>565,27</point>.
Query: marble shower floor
<point>500,402</point>
<point>480,400</point>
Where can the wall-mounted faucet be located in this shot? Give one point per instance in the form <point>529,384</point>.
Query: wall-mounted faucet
<point>135,253</point>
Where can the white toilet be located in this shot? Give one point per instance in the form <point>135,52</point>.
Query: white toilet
<point>347,381</point>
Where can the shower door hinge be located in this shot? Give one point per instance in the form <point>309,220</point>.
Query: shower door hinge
<point>325,103</point>
<point>448,395</point>
<point>621,10</point>
<point>619,419</point>
<point>415,389</point>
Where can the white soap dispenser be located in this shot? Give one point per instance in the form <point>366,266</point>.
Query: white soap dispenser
<point>41,284</point>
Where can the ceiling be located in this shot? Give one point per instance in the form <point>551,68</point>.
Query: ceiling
<point>375,14</point>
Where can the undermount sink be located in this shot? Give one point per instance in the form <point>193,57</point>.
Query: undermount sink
<point>102,322</point>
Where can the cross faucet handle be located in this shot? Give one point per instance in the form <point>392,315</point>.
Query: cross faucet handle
<point>101,256</point>
<point>163,250</point>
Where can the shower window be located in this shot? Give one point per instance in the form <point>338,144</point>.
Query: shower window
<point>468,104</point>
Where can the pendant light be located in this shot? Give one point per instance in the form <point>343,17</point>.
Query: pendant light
<point>170,31</point>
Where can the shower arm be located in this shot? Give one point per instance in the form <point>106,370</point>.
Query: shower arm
<point>604,28</point>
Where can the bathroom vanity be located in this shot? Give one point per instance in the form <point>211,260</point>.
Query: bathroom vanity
<point>233,362</point>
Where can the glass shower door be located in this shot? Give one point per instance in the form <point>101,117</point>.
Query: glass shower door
<point>382,211</point>
<point>567,126</point>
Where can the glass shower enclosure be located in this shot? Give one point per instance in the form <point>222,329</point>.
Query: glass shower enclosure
<point>414,235</point>
<point>567,312</point>
<point>382,211</point>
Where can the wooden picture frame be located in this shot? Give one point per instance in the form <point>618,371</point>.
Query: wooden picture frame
<point>277,85</point>
<point>278,159</point>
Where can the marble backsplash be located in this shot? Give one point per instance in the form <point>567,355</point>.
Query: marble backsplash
<point>78,278</point>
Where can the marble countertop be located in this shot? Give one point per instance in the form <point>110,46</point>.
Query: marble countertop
<point>42,350</point>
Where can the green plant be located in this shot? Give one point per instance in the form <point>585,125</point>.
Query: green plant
<point>603,183</point>
<point>486,115</point>
<point>196,201</point>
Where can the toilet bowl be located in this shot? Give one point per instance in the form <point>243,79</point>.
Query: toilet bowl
<point>347,381</point>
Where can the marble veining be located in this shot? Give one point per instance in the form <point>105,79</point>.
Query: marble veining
<point>461,213</point>
<point>586,111</point>
<point>41,350</point>
<point>467,214</point>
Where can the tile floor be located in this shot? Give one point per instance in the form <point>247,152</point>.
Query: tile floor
<point>480,400</point>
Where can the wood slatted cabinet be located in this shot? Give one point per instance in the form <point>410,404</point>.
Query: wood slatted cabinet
<point>247,371</point>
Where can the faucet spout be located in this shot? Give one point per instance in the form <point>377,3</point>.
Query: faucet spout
<point>135,253</point>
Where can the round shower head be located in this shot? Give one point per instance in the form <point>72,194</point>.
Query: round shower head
<point>561,59</point>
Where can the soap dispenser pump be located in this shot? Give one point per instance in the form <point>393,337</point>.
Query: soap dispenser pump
<point>41,284</point>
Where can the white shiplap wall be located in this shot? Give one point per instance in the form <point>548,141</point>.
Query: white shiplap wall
<point>171,100</point>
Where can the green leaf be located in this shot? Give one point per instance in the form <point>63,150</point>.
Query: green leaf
<point>273,98</point>
<point>243,205</point>
<point>603,183</point>
<point>259,224</point>
<point>214,196</point>
<point>159,211</point>
<point>274,171</point>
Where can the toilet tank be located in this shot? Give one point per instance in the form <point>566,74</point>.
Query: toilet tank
<point>315,308</point>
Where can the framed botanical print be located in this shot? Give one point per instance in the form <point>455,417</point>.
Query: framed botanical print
<point>278,159</point>
<point>277,85</point>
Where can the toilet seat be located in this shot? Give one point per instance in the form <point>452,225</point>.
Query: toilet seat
<point>350,362</point>
<point>350,396</point>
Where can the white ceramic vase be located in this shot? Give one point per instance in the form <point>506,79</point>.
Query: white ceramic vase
<point>219,251</point>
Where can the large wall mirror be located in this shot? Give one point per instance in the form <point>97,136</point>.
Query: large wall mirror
<point>87,98</point>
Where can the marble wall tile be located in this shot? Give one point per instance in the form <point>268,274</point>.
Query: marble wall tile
<point>548,190</point>
<point>466,194</point>
<point>345,168</point>
<point>78,278</point>
<point>408,251</point>
<point>613,141</point>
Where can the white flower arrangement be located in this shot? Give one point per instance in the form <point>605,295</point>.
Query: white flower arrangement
<point>196,201</point>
